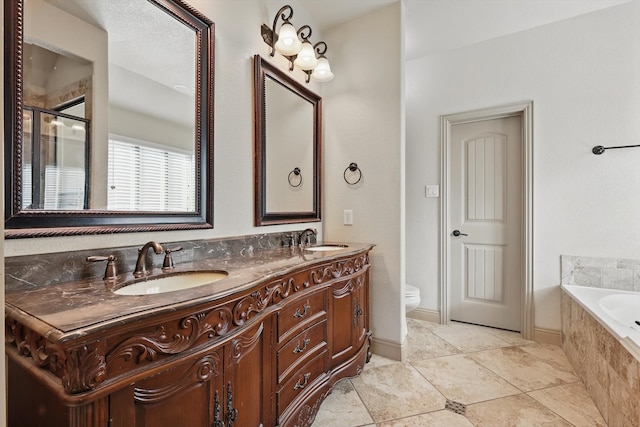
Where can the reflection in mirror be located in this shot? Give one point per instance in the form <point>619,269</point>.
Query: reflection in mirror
<point>110,116</point>
<point>289,145</point>
<point>288,142</point>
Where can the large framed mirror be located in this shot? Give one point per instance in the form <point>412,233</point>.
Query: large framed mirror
<point>288,145</point>
<point>108,117</point>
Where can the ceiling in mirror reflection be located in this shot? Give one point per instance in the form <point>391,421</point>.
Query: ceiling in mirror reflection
<point>151,56</point>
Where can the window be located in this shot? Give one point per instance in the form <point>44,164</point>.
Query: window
<point>144,176</point>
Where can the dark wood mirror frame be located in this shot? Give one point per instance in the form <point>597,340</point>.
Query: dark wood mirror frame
<point>30,223</point>
<point>262,69</point>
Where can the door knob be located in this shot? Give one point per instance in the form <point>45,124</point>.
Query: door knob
<point>458,233</point>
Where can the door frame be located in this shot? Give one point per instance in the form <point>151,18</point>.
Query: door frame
<point>523,110</point>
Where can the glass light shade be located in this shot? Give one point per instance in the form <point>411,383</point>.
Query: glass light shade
<point>322,72</point>
<point>306,59</point>
<point>288,43</point>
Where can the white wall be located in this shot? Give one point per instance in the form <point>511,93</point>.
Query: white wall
<point>363,109</point>
<point>237,39</point>
<point>583,76</point>
<point>90,43</point>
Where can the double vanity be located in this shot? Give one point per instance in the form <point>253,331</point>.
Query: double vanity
<point>259,342</point>
<point>249,331</point>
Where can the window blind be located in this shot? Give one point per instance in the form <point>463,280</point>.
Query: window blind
<point>149,177</point>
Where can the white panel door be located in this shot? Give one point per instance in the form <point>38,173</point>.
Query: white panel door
<point>485,217</point>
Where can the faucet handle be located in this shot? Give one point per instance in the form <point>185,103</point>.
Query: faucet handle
<point>111,272</point>
<point>168,261</point>
<point>292,239</point>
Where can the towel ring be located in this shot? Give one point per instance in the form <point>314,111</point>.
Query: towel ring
<point>352,167</point>
<point>295,172</point>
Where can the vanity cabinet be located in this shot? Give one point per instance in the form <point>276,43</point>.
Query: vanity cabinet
<point>265,354</point>
<point>213,388</point>
<point>349,318</point>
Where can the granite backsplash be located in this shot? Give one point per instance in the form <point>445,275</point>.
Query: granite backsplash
<point>45,269</point>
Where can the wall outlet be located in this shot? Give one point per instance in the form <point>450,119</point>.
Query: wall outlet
<point>432,191</point>
<point>348,217</point>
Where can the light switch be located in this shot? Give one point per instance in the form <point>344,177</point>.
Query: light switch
<point>432,191</point>
<point>348,217</point>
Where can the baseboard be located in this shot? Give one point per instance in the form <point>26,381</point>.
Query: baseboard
<point>388,349</point>
<point>547,336</point>
<point>425,314</point>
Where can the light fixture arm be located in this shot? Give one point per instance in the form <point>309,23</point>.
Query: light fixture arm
<point>285,20</point>
<point>318,46</point>
<point>302,35</point>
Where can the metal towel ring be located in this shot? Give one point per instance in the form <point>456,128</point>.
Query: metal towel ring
<point>295,172</point>
<point>352,167</point>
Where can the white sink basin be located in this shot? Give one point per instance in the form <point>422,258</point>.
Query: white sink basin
<point>173,283</point>
<point>322,248</point>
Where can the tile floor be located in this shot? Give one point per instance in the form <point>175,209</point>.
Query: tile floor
<point>463,375</point>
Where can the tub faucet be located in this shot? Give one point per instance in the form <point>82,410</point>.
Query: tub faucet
<point>305,236</point>
<point>141,268</point>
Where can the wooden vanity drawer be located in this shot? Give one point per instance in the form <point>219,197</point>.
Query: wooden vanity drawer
<point>301,313</point>
<point>301,347</point>
<point>302,380</point>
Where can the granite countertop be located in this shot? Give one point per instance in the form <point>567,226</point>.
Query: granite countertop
<point>65,311</point>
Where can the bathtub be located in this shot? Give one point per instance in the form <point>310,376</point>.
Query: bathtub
<point>616,310</point>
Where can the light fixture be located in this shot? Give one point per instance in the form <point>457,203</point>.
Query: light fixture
<point>288,43</point>
<point>322,71</point>
<point>296,47</point>
<point>306,59</point>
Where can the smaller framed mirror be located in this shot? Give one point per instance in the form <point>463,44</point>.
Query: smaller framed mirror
<point>288,141</point>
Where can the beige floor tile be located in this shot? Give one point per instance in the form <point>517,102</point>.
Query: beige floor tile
<point>417,326</point>
<point>342,407</point>
<point>432,419</point>
<point>513,338</point>
<point>377,361</point>
<point>462,379</point>
<point>552,354</point>
<point>426,345</point>
<point>572,403</point>
<point>522,369</point>
<point>395,391</point>
<point>468,338</point>
<point>519,410</point>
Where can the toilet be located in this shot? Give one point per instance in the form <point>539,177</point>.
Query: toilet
<point>411,298</point>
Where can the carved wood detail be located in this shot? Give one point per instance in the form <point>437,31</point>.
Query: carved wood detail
<point>271,294</point>
<point>242,343</point>
<point>308,413</point>
<point>95,413</point>
<point>146,347</point>
<point>348,287</point>
<point>339,269</point>
<point>84,370</point>
<point>201,371</point>
<point>79,368</point>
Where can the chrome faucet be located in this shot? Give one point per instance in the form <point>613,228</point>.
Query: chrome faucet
<point>141,268</point>
<point>305,236</point>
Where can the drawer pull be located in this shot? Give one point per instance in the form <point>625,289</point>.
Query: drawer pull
<point>300,384</point>
<point>299,315</point>
<point>304,346</point>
